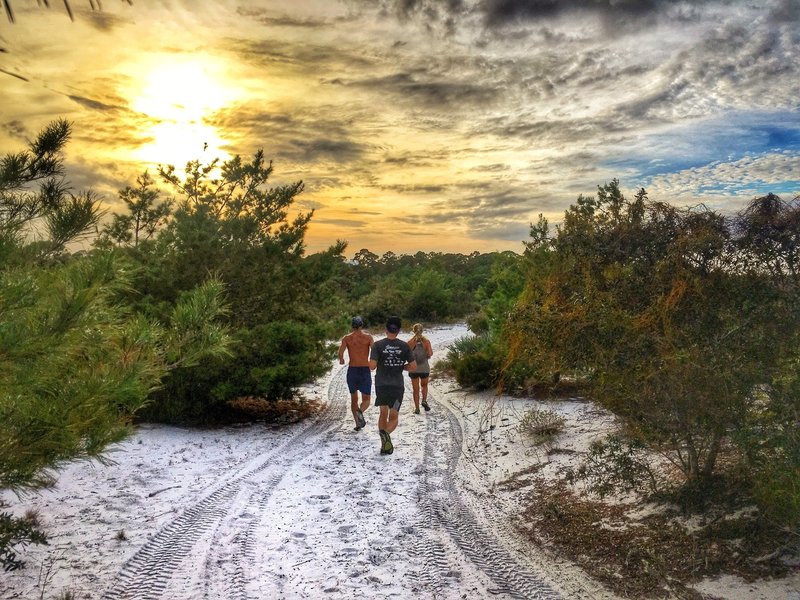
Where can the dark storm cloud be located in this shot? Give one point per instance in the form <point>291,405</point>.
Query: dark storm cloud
<point>408,160</point>
<point>102,177</point>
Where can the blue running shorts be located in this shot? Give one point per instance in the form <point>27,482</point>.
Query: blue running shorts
<point>359,379</point>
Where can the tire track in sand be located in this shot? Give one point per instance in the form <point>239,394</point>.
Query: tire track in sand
<point>444,512</point>
<point>171,556</point>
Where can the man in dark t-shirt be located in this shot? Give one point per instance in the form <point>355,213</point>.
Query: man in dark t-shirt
<point>389,357</point>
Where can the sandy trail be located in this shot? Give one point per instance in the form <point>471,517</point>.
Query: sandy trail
<point>307,511</point>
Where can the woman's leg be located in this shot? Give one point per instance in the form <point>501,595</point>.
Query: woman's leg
<point>415,391</point>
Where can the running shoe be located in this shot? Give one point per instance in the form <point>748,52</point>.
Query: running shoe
<point>425,405</point>
<point>357,428</point>
<point>362,422</point>
<point>416,411</point>
<point>387,444</point>
<point>384,435</point>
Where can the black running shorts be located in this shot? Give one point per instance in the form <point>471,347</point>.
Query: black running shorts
<point>390,396</point>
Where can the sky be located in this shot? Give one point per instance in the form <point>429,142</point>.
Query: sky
<point>420,125</point>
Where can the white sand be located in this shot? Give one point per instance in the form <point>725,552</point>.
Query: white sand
<point>313,511</point>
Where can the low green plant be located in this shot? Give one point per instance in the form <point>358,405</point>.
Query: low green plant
<point>15,535</point>
<point>541,423</point>
<point>616,464</point>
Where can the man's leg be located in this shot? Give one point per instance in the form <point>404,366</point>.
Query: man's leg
<point>383,418</point>
<point>386,442</point>
<point>354,407</point>
<point>392,420</point>
<point>365,387</point>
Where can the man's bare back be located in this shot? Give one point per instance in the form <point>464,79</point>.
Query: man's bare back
<point>357,344</point>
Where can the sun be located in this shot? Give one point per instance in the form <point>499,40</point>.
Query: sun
<point>179,97</point>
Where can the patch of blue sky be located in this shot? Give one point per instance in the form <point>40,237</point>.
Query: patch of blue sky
<point>724,138</point>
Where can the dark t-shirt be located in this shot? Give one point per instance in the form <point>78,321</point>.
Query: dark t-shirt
<point>392,356</point>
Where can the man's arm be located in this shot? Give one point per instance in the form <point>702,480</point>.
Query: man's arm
<point>342,346</point>
<point>411,366</point>
<point>373,358</point>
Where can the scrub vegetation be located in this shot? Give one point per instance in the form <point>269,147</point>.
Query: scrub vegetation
<point>682,322</point>
<point>198,304</point>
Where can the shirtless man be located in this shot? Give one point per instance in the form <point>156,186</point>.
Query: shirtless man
<point>359,378</point>
<point>390,356</point>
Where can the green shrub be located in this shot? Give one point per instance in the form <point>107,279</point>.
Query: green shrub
<point>475,362</point>
<point>777,491</point>
<point>541,423</point>
<point>269,361</point>
<point>15,534</point>
<point>616,464</point>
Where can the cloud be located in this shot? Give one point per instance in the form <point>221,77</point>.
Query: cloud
<point>17,75</point>
<point>426,90</point>
<point>339,222</point>
<point>299,136</point>
<point>493,168</point>
<point>300,57</point>
<point>17,130</point>
<point>337,150</point>
<point>267,17</point>
<point>94,104</point>
<point>102,20</point>
<point>495,215</point>
<point>500,14</point>
<point>746,177</point>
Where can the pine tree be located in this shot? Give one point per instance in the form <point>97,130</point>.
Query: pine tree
<point>76,363</point>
